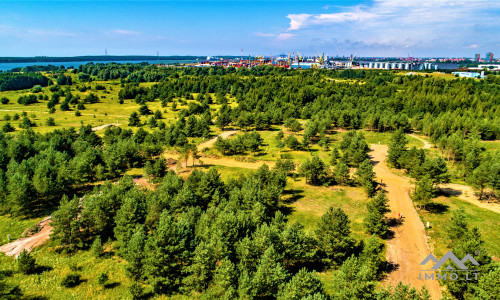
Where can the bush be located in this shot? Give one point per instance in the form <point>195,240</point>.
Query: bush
<point>27,99</point>
<point>71,280</point>
<point>37,89</point>
<point>78,113</point>
<point>5,100</point>
<point>50,122</point>
<point>26,263</point>
<point>136,291</point>
<point>96,247</point>
<point>102,278</point>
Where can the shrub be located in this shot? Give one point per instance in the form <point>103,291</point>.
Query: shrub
<point>102,278</point>
<point>36,89</point>
<point>7,127</point>
<point>78,113</point>
<point>71,280</point>
<point>136,291</point>
<point>50,122</point>
<point>26,263</point>
<point>4,100</point>
<point>96,247</point>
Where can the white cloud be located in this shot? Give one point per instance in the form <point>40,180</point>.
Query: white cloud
<point>284,36</point>
<point>20,32</point>
<point>122,32</point>
<point>298,21</point>
<point>262,34</point>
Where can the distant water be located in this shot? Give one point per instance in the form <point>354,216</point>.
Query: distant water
<point>9,66</point>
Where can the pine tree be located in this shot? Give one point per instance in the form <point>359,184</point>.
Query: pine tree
<point>302,285</point>
<point>96,247</point>
<point>365,176</point>
<point>342,173</point>
<point>26,263</point>
<point>424,191</point>
<point>224,281</point>
<point>480,179</point>
<point>270,275</point>
<point>353,281</point>
<point>201,270</point>
<point>65,222</point>
<point>334,236</point>
<point>397,147</point>
<point>134,254</point>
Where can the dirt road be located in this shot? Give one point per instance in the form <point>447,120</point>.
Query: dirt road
<point>409,246</point>
<point>105,126</point>
<point>466,193</point>
<point>28,243</point>
<point>427,145</point>
<point>223,161</point>
<point>210,142</point>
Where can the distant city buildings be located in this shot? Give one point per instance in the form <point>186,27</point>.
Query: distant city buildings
<point>478,57</point>
<point>489,57</point>
<point>469,74</point>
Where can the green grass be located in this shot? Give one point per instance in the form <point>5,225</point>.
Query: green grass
<point>46,284</point>
<point>15,227</point>
<point>107,111</point>
<point>487,221</point>
<point>308,203</point>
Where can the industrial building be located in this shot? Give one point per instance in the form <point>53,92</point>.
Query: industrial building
<point>408,65</point>
<point>469,74</point>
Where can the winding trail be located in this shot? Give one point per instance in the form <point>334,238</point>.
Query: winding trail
<point>427,145</point>
<point>41,237</point>
<point>105,126</point>
<point>223,161</point>
<point>210,142</point>
<point>408,248</point>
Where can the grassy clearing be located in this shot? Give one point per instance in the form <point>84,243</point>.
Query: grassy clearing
<point>487,221</point>
<point>308,203</point>
<point>107,111</point>
<point>15,227</point>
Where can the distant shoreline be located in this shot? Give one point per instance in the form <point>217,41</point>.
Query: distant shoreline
<point>46,59</point>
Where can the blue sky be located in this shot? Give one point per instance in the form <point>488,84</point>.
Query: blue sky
<point>370,28</point>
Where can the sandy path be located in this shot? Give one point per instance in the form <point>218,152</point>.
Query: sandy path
<point>70,113</point>
<point>466,193</point>
<point>28,243</point>
<point>210,142</point>
<point>105,126</point>
<point>427,145</point>
<point>409,246</point>
<point>226,162</point>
